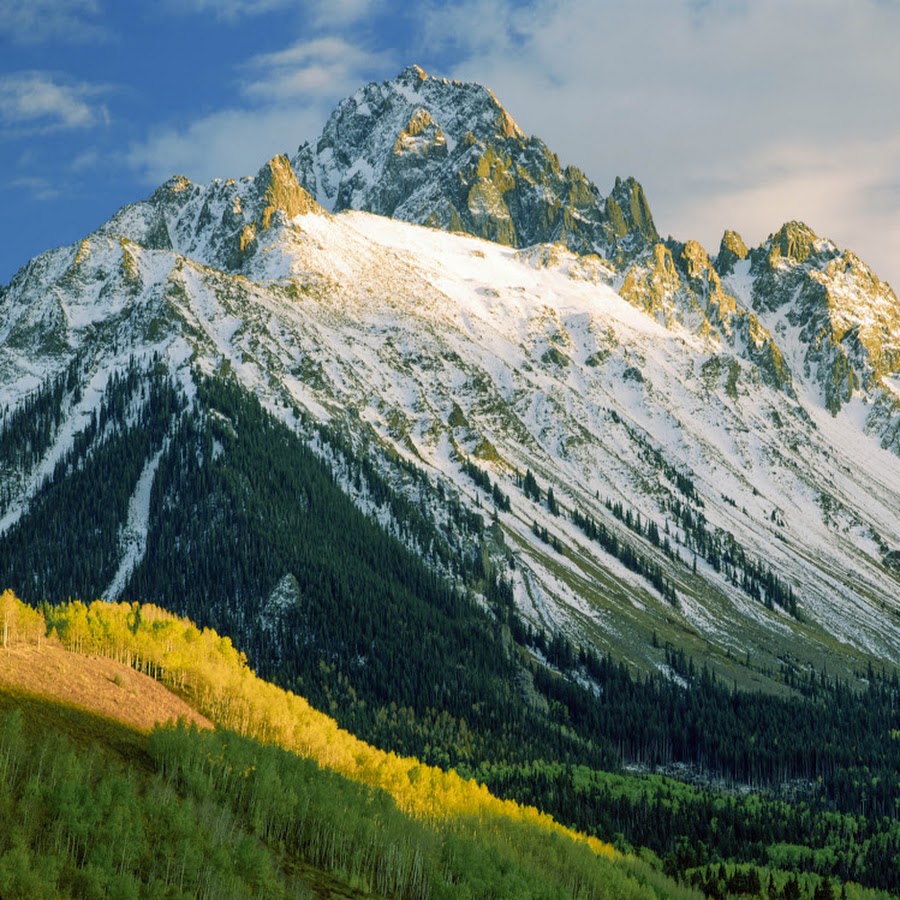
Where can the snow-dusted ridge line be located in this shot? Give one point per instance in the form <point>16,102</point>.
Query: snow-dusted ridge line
<point>404,302</point>
<point>443,346</point>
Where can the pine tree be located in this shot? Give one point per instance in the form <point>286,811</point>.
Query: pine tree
<point>552,505</point>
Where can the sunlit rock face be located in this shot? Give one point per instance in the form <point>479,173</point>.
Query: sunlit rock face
<point>447,154</point>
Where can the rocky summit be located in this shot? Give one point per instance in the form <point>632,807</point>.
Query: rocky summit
<point>447,154</point>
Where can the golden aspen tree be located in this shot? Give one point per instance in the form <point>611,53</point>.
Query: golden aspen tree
<point>8,608</point>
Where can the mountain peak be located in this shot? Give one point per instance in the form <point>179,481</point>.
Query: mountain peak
<point>731,249</point>
<point>449,155</point>
<point>795,242</point>
<point>413,73</point>
<point>629,197</point>
<point>279,191</point>
<point>443,92</point>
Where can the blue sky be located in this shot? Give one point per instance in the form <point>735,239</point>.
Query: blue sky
<point>740,114</point>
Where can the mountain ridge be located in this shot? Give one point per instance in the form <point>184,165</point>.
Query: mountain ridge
<point>720,374</point>
<point>448,154</point>
<point>528,511</point>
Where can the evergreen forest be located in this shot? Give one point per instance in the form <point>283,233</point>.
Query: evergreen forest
<point>407,634</point>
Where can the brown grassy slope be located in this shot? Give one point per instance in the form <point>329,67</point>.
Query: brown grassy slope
<point>95,701</point>
<point>92,683</point>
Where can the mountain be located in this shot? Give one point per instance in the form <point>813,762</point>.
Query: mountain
<point>470,458</point>
<point>448,155</point>
<point>404,466</point>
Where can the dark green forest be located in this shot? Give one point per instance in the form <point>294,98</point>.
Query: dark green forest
<point>386,632</point>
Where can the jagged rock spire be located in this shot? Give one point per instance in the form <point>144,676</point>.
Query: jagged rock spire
<point>449,155</point>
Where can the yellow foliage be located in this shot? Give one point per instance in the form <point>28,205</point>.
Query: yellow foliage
<point>216,676</point>
<point>19,623</point>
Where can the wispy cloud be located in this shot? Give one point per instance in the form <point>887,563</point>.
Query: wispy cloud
<point>847,192</point>
<point>36,187</point>
<point>86,161</point>
<point>327,66</point>
<point>288,96</point>
<point>42,188</point>
<point>45,21</point>
<point>320,12</point>
<point>40,103</point>
<point>226,10</point>
<point>333,13</point>
<point>472,28</point>
<point>726,111</point>
<point>226,144</point>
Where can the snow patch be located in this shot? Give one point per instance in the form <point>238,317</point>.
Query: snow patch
<point>133,537</point>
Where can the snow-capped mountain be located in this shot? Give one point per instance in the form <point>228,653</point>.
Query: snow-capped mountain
<point>447,154</point>
<point>720,434</point>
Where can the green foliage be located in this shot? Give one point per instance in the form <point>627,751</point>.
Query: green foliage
<point>81,823</point>
<point>358,833</point>
<point>215,814</point>
<point>694,829</point>
<point>840,821</point>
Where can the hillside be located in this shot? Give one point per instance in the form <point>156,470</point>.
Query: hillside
<point>99,685</point>
<point>322,821</point>
<point>284,820</point>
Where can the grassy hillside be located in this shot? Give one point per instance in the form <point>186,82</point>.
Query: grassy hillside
<point>291,806</point>
<point>106,687</point>
<point>317,805</point>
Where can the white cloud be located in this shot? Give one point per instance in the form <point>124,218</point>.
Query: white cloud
<point>227,144</point>
<point>38,188</point>
<point>228,10</point>
<point>36,103</point>
<point>319,12</point>
<point>42,21</point>
<point>727,112</point>
<point>331,13</point>
<point>289,95</point>
<point>327,66</point>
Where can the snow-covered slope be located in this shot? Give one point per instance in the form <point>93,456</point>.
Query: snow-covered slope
<point>452,348</point>
<point>720,434</point>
